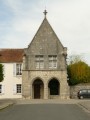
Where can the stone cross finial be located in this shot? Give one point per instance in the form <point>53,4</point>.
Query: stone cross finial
<point>45,12</point>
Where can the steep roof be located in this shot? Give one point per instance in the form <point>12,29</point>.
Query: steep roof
<point>46,31</point>
<point>45,41</point>
<point>11,55</point>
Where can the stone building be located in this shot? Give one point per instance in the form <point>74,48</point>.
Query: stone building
<point>44,74</point>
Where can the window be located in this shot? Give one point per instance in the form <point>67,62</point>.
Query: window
<point>18,69</point>
<point>0,88</point>
<point>84,91</point>
<point>89,91</point>
<point>39,61</point>
<point>52,61</point>
<point>18,88</point>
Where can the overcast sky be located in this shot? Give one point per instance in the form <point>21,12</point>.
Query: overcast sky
<point>70,19</point>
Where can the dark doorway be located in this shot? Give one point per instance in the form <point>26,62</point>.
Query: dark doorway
<point>38,89</point>
<point>54,87</point>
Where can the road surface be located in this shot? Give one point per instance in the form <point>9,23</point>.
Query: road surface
<point>44,112</point>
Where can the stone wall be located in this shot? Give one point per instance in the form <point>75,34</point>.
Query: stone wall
<point>45,76</point>
<point>45,43</point>
<point>74,89</point>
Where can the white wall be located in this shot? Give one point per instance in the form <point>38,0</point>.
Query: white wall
<point>10,80</point>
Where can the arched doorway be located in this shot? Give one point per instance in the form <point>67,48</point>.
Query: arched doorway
<point>54,88</point>
<point>38,89</point>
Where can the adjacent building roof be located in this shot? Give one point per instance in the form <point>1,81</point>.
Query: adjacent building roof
<point>11,55</point>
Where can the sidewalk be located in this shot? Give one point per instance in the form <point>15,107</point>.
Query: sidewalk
<point>45,101</point>
<point>5,103</point>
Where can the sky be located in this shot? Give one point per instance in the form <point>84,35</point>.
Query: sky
<point>70,19</point>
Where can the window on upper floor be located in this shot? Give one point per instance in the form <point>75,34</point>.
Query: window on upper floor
<point>39,61</point>
<point>17,69</point>
<point>52,61</point>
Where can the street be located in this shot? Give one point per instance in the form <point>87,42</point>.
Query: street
<point>44,112</point>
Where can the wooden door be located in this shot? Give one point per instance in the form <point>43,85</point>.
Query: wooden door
<point>37,91</point>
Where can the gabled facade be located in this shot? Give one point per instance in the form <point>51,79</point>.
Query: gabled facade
<point>44,66</point>
<point>37,72</point>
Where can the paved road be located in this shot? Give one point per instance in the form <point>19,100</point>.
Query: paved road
<point>44,112</point>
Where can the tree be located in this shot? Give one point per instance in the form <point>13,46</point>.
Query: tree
<point>74,59</point>
<point>78,72</point>
<point>1,73</point>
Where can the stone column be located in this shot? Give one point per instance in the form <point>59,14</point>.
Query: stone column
<point>45,91</point>
<point>31,94</point>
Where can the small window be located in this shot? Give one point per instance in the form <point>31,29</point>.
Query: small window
<point>39,61</point>
<point>18,88</point>
<point>52,61</point>
<point>2,90</point>
<point>18,69</point>
<point>88,91</point>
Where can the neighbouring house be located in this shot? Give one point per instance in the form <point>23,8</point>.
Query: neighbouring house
<point>12,60</point>
<point>38,71</point>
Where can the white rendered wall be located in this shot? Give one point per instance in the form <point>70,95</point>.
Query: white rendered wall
<point>10,80</point>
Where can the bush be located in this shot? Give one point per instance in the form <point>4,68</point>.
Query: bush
<point>78,72</point>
